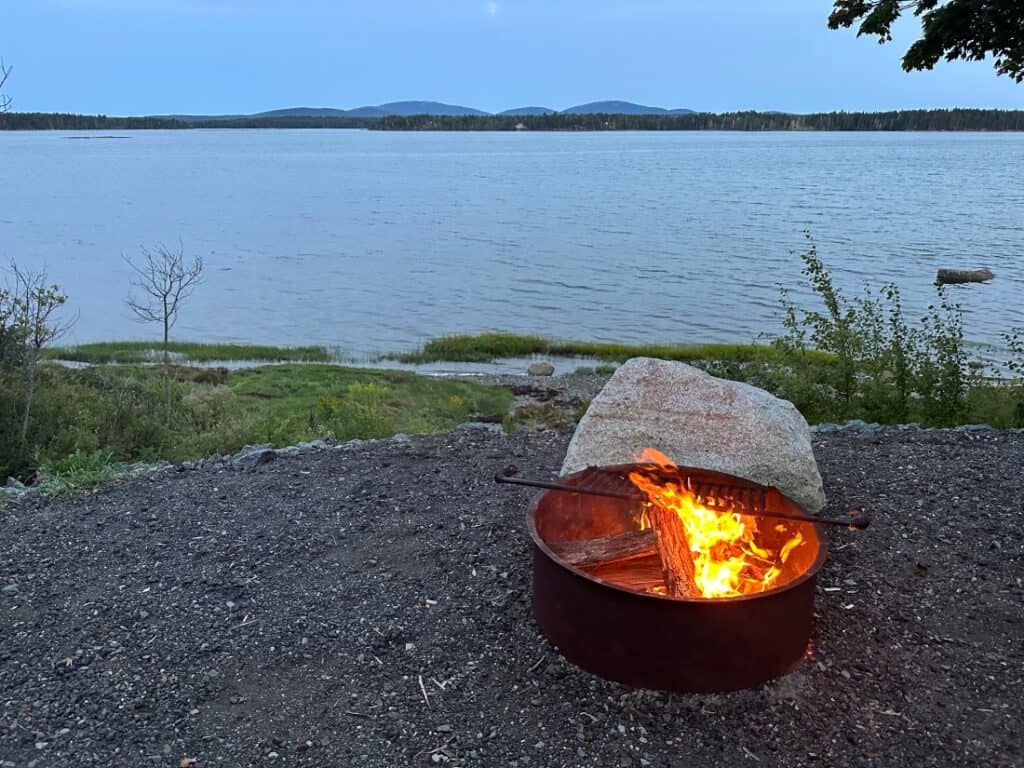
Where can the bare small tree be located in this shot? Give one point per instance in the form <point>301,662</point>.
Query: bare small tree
<point>34,305</point>
<point>5,101</point>
<point>164,281</point>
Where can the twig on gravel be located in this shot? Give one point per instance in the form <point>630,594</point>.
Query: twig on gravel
<point>750,754</point>
<point>355,714</point>
<point>423,689</point>
<point>439,684</point>
<point>537,663</point>
<point>443,750</point>
<point>246,621</point>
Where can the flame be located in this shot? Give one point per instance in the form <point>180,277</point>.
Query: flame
<point>727,558</point>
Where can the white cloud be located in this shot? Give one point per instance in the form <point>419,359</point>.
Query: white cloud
<point>492,8</point>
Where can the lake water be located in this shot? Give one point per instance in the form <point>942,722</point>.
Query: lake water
<point>376,241</point>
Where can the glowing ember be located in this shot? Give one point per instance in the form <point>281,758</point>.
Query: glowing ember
<point>728,559</point>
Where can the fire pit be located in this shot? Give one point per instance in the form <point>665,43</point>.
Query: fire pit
<point>674,578</point>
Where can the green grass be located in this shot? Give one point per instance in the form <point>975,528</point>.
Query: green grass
<point>485,347</point>
<point>80,416</point>
<point>80,470</point>
<point>188,351</point>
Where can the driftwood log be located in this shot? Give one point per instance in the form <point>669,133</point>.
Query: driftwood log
<point>957,276</point>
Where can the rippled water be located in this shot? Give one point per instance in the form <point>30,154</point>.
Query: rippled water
<point>377,241</point>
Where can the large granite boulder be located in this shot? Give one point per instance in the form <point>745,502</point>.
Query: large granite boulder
<point>698,420</point>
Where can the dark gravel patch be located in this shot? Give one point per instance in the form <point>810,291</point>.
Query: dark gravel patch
<point>286,614</point>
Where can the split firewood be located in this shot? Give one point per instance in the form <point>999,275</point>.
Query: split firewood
<point>666,538</point>
<point>674,551</point>
<point>606,549</point>
<point>957,276</point>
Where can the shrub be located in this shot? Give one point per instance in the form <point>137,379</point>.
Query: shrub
<point>881,368</point>
<point>1014,340</point>
<point>358,412</point>
<point>208,406</point>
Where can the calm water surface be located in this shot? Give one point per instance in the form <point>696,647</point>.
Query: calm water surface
<point>377,241</point>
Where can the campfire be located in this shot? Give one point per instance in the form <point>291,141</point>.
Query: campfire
<point>626,556</point>
<point>708,547</point>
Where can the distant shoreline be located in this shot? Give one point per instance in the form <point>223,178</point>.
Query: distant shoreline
<point>949,120</point>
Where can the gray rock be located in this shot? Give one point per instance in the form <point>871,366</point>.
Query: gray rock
<point>15,484</point>
<point>470,426</point>
<point>9,589</point>
<point>700,421</point>
<point>253,455</point>
<point>825,428</point>
<point>541,369</point>
<point>861,427</point>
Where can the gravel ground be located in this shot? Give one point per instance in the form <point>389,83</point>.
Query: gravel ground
<point>301,611</point>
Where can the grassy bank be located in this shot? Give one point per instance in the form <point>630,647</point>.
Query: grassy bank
<point>485,347</point>
<point>825,386</point>
<point>188,351</point>
<point>117,413</point>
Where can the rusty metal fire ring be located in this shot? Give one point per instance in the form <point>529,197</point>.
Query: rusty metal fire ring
<point>664,642</point>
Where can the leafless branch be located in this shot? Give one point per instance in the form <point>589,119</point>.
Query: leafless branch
<point>5,72</point>
<point>165,281</point>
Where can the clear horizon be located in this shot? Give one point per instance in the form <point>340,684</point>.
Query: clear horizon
<point>146,57</point>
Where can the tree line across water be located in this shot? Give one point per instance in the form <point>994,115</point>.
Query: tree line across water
<point>904,120</point>
<point>908,120</point>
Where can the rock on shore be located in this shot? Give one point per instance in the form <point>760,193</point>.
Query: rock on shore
<point>698,420</point>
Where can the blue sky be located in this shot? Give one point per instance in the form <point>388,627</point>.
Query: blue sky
<point>236,56</point>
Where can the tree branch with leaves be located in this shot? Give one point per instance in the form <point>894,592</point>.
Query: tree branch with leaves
<point>956,29</point>
<point>164,282</point>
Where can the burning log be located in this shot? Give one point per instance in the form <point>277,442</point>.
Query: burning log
<point>602,550</point>
<point>674,551</point>
<point>957,276</point>
<point>666,538</point>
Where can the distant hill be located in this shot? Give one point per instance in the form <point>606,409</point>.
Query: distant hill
<point>367,112</point>
<point>405,108</point>
<point>621,108</point>
<point>521,111</point>
<point>410,108</point>
<point>400,108</point>
<point>304,112</point>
